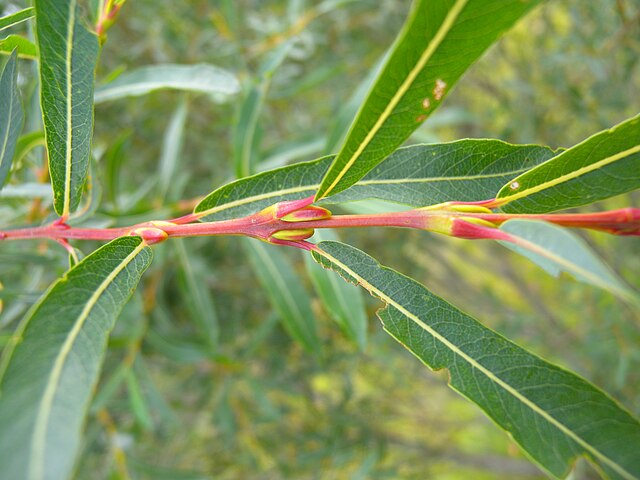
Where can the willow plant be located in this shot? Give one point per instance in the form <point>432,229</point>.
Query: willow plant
<point>473,189</point>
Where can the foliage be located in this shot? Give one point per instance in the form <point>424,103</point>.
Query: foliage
<point>258,382</point>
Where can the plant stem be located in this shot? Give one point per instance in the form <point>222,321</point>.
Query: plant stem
<point>300,219</point>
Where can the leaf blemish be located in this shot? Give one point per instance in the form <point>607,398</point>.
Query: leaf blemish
<point>426,103</point>
<point>421,118</point>
<point>514,185</point>
<point>438,90</point>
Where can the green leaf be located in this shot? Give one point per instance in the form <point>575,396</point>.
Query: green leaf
<point>342,301</point>
<point>244,131</point>
<point>556,250</point>
<point>172,147</point>
<point>26,49</point>
<point>420,175</point>
<point>553,414</point>
<point>16,18</point>
<point>440,40</point>
<point>200,304</point>
<point>11,116</point>
<point>68,56</point>
<point>47,377</point>
<point>285,291</point>
<point>28,142</point>
<point>604,165</point>
<point>201,78</point>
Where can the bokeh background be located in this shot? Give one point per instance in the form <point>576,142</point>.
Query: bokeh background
<point>201,381</point>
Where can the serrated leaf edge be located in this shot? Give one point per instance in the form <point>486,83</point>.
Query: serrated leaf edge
<point>534,407</point>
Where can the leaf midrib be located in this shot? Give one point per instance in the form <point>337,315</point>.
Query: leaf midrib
<point>569,176</point>
<point>305,188</point>
<point>68,154</point>
<point>36,466</point>
<point>478,366</point>
<point>447,24</point>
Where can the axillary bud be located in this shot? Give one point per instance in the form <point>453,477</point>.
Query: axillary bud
<point>150,235</point>
<point>307,214</point>
<point>293,235</point>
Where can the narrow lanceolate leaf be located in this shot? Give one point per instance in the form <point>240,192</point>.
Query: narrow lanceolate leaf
<point>25,48</point>
<point>604,165</point>
<point>172,148</point>
<point>68,55</point>
<point>244,132</point>
<point>553,414</point>
<point>285,291</point>
<point>439,41</point>
<point>16,18</point>
<point>417,176</point>
<point>201,78</point>
<point>342,301</point>
<point>557,250</point>
<point>47,377</point>
<point>11,116</point>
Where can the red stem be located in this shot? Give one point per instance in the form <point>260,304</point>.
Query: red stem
<point>264,225</point>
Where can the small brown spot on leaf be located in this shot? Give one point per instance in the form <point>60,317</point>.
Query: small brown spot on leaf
<point>438,90</point>
<point>426,103</point>
<point>421,118</point>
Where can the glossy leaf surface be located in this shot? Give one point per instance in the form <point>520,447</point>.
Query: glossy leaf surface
<point>68,55</point>
<point>604,165</point>
<point>553,414</point>
<point>11,116</point>
<point>556,249</point>
<point>47,377</point>
<point>439,41</point>
<point>286,292</point>
<point>201,78</point>
<point>420,175</point>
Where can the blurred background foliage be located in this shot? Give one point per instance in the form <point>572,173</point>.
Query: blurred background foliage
<point>201,381</point>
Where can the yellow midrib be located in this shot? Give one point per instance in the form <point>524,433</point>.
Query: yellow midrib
<point>36,464</point>
<point>447,24</point>
<point>569,176</point>
<point>480,367</point>
<point>68,157</point>
<point>305,188</point>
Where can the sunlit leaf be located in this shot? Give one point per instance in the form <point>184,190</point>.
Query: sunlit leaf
<point>25,48</point>
<point>420,175</point>
<point>439,41</point>
<point>200,78</point>
<point>11,116</point>
<point>68,55</point>
<point>604,165</point>
<point>554,415</point>
<point>48,374</point>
